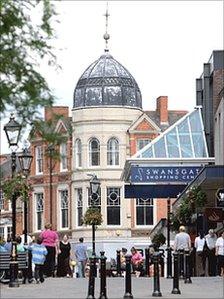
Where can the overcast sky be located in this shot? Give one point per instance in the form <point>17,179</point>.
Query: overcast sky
<point>162,43</point>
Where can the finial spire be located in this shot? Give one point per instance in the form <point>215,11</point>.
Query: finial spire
<point>106,36</point>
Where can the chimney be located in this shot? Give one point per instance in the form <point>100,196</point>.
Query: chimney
<point>49,112</point>
<point>162,109</point>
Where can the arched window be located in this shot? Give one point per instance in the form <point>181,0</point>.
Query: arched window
<point>78,153</point>
<point>94,152</point>
<point>113,152</point>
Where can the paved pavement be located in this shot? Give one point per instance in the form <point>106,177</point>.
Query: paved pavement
<point>201,287</point>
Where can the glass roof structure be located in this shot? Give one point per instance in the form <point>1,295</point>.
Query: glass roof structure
<point>184,139</point>
<point>107,83</point>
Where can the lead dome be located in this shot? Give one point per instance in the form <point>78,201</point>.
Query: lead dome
<point>107,83</point>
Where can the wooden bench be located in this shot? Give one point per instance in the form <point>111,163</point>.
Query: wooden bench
<point>5,257</point>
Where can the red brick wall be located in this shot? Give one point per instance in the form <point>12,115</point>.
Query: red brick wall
<point>162,108</point>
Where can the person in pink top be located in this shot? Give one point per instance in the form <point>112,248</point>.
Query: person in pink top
<point>50,240</point>
<point>136,260</point>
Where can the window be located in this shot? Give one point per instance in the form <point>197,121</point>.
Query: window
<point>142,143</point>
<point>1,200</point>
<point>113,152</point>
<point>79,206</point>
<point>39,210</point>
<point>94,152</point>
<point>144,211</point>
<point>64,208</point>
<point>78,153</point>
<point>9,231</point>
<point>2,235</point>
<point>39,159</point>
<point>64,156</point>
<point>113,206</point>
<point>94,202</point>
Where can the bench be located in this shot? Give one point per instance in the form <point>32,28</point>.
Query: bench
<point>5,257</point>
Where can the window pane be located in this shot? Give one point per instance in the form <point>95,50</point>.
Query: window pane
<point>113,215</point>
<point>144,211</point>
<point>113,152</point>
<point>64,161</point>
<point>79,206</point>
<point>142,143</point>
<point>159,148</point>
<point>113,206</point>
<point>172,144</point>
<point>94,152</point>
<point>185,141</point>
<point>78,153</point>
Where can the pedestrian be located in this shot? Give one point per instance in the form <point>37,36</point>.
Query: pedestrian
<point>39,253</point>
<point>182,240</point>
<point>81,256</point>
<point>199,244</point>
<point>220,254</point>
<point>50,241</point>
<point>136,261</point>
<point>122,258</point>
<point>63,267</point>
<point>29,239</point>
<point>8,244</point>
<point>19,246</point>
<point>211,239</point>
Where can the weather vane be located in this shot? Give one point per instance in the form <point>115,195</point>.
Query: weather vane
<point>106,36</point>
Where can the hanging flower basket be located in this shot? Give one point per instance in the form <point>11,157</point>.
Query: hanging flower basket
<point>92,216</point>
<point>17,186</point>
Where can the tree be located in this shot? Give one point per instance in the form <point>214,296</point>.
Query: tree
<point>24,42</point>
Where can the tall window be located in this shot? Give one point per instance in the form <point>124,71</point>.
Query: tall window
<point>144,211</point>
<point>78,153</point>
<point>9,231</point>
<point>64,156</point>
<point>39,210</point>
<point>64,208</point>
<point>94,152</point>
<point>113,206</point>
<point>142,143</point>
<point>113,152</point>
<point>1,200</point>
<point>39,159</point>
<point>96,202</point>
<point>79,206</point>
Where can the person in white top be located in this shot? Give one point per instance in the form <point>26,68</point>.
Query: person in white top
<point>29,239</point>
<point>211,239</point>
<point>182,240</point>
<point>199,243</point>
<point>220,254</point>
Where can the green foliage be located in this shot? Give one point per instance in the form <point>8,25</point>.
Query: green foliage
<point>17,186</point>
<point>24,42</point>
<point>195,198</point>
<point>158,240</point>
<point>92,216</point>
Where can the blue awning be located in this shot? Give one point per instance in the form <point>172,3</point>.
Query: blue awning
<point>153,191</point>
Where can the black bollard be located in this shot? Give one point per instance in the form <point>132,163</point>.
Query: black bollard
<point>169,262</point>
<point>187,276</point>
<point>128,294</point>
<point>156,291</point>
<point>181,263</point>
<point>176,289</point>
<point>91,288</point>
<point>103,286</point>
<point>147,261</point>
<point>118,263</point>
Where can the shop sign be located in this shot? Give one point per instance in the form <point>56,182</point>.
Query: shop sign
<point>214,214</point>
<point>165,174</point>
<point>220,197</point>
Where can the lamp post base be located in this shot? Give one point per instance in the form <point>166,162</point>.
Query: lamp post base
<point>13,266</point>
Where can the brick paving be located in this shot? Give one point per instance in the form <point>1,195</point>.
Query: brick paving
<point>201,287</point>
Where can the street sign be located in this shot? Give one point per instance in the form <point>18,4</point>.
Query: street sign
<point>220,197</point>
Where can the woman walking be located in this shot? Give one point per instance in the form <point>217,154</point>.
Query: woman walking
<point>63,268</point>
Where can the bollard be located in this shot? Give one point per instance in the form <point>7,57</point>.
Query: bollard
<point>176,289</point>
<point>169,262</point>
<point>103,286</point>
<point>128,294</point>
<point>118,263</point>
<point>156,291</point>
<point>187,275</point>
<point>147,261</point>
<point>181,263</point>
<point>91,287</point>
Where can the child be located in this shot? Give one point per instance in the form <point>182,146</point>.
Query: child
<point>39,253</point>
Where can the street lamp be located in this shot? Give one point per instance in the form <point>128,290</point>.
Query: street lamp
<point>12,130</point>
<point>25,160</point>
<point>94,195</point>
<point>51,151</point>
<point>169,249</point>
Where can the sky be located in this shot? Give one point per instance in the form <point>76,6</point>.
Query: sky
<point>163,44</point>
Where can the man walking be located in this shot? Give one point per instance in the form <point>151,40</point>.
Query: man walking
<point>81,256</point>
<point>211,239</point>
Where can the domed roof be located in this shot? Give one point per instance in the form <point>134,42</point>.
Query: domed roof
<point>107,83</point>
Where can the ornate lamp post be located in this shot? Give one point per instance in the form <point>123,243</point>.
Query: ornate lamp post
<point>94,191</point>
<point>169,249</point>
<point>25,160</point>
<point>12,130</point>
